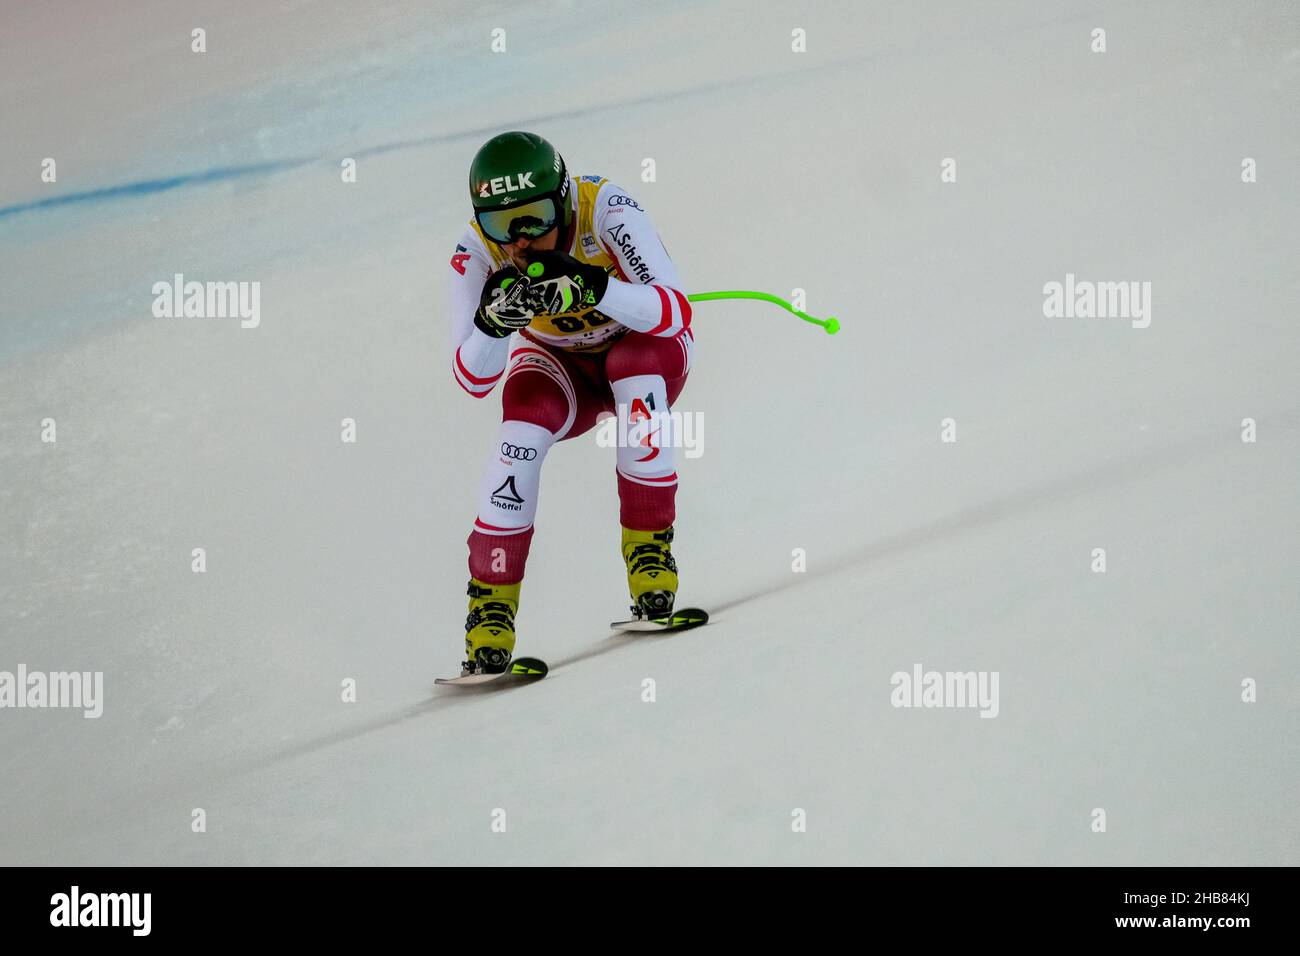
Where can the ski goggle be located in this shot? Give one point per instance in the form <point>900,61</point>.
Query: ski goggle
<point>530,220</point>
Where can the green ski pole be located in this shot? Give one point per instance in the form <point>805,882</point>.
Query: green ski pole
<point>831,325</point>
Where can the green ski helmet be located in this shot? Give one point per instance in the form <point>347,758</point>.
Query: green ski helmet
<point>519,186</point>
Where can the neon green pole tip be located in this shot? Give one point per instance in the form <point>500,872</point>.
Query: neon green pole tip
<point>831,325</point>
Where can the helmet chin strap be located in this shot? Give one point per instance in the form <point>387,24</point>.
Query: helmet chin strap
<point>570,221</point>
<point>564,234</point>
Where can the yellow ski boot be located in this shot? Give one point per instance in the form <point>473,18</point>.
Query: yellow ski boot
<point>651,571</point>
<point>490,627</point>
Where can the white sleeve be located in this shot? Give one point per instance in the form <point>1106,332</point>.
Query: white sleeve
<point>650,297</point>
<point>477,359</point>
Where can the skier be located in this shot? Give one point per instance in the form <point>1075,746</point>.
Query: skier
<point>562,285</point>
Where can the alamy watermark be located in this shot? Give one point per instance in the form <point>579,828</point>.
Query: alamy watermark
<point>208,300</point>
<point>674,429</point>
<point>76,908</point>
<point>922,688</point>
<point>1084,299</point>
<point>82,690</point>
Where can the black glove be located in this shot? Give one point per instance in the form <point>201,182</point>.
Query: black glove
<point>505,304</point>
<point>560,283</point>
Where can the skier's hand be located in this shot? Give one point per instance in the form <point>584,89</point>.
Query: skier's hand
<point>560,283</point>
<point>505,304</point>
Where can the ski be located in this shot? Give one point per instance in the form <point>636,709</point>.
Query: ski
<point>522,670</point>
<point>682,620</point>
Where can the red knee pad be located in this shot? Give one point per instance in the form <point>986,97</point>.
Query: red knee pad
<point>535,398</point>
<point>637,354</point>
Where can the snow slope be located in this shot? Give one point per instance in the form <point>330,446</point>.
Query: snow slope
<point>775,170</point>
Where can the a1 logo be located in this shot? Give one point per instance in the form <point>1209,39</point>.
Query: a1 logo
<point>459,259</point>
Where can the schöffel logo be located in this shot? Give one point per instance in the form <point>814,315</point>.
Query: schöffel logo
<point>518,452</point>
<point>505,184</point>
<point>634,261</point>
<point>617,200</point>
<point>507,496</point>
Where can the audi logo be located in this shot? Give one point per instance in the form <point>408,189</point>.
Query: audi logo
<point>518,453</point>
